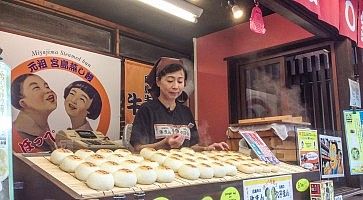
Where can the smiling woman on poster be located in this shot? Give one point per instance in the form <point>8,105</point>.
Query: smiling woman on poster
<point>82,101</point>
<point>34,99</point>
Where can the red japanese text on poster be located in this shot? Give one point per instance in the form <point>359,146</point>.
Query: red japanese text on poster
<point>56,87</point>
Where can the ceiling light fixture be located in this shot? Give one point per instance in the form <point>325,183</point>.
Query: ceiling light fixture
<point>182,9</point>
<point>236,10</point>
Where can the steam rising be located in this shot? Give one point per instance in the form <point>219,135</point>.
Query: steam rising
<point>266,96</point>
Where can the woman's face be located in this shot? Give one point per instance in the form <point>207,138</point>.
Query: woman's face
<point>77,103</point>
<point>171,85</point>
<point>37,95</point>
<point>333,156</point>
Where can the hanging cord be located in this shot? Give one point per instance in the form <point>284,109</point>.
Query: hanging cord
<point>256,2</point>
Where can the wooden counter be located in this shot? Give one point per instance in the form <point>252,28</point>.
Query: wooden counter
<point>43,180</point>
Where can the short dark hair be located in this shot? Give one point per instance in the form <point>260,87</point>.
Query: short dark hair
<point>170,69</point>
<point>155,90</point>
<point>17,90</point>
<point>336,145</point>
<point>95,108</point>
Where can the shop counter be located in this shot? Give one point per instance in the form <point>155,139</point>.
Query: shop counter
<point>40,179</point>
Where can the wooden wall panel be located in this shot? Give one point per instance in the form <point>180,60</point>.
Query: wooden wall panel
<point>144,51</point>
<point>344,70</point>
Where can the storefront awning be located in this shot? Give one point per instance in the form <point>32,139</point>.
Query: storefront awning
<point>345,15</point>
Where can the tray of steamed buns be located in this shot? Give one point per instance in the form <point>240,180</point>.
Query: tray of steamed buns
<point>88,172</point>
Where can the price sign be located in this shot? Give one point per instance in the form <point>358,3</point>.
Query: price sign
<point>278,188</point>
<point>302,185</point>
<point>230,193</point>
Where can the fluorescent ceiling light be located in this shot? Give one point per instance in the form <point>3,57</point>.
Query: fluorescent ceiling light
<point>179,8</point>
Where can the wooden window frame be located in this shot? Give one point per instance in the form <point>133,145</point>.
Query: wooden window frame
<point>243,68</point>
<point>282,51</point>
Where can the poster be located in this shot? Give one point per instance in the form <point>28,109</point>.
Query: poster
<point>354,138</point>
<point>271,188</point>
<point>136,92</point>
<point>354,94</point>
<point>308,149</point>
<point>331,156</point>
<point>322,190</point>
<point>55,87</point>
<point>259,147</point>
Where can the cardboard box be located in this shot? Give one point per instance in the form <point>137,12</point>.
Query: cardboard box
<point>277,143</point>
<point>322,190</point>
<point>233,134</point>
<point>233,143</point>
<point>285,155</point>
<point>233,139</point>
<point>271,140</point>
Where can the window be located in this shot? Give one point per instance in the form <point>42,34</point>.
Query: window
<point>311,73</point>
<point>261,95</point>
<point>297,84</point>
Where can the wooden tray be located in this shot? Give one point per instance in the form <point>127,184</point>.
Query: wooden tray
<point>80,187</point>
<point>287,119</point>
<point>43,180</point>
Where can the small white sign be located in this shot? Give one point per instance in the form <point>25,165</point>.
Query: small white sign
<point>278,187</point>
<point>164,130</point>
<point>354,90</point>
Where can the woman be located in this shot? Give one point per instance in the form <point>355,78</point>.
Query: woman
<point>32,96</point>
<point>82,100</point>
<point>164,123</point>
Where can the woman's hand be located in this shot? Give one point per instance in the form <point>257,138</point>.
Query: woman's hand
<point>221,146</point>
<point>327,169</point>
<point>175,140</point>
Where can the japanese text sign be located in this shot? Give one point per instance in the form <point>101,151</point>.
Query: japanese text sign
<point>279,188</point>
